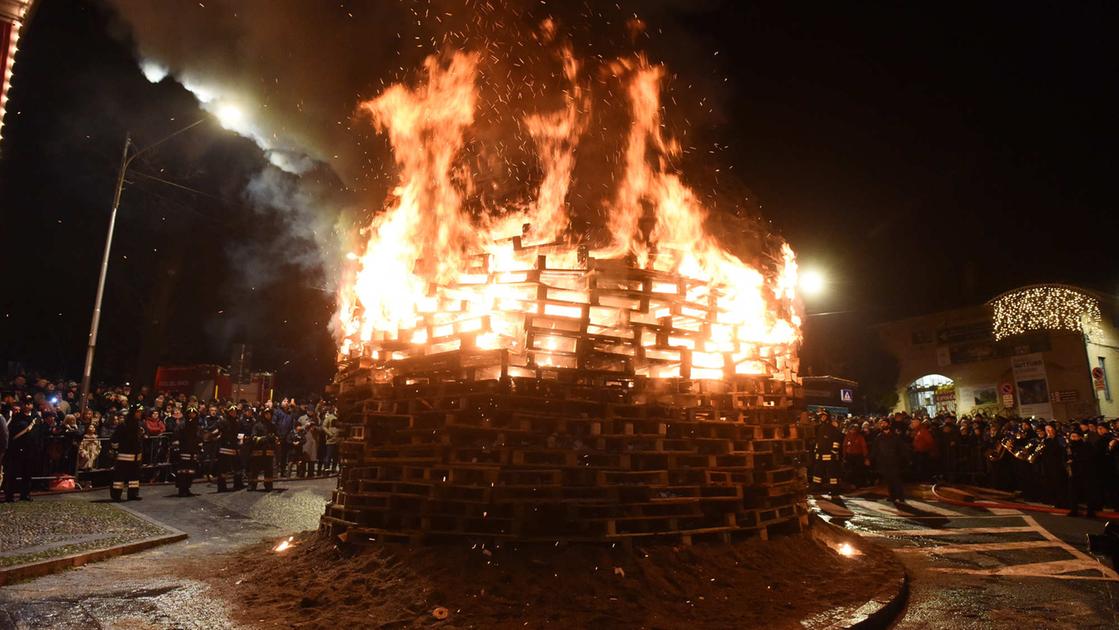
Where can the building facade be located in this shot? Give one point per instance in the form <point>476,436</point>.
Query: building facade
<point>1048,351</point>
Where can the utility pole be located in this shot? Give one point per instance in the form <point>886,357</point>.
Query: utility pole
<point>125,161</point>
<point>96,320</point>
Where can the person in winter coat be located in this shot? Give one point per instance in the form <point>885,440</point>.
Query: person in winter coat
<point>1082,484</point>
<point>856,456</point>
<point>924,450</point>
<point>333,436</point>
<point>889,454</point>
<point>90,448</point>
<point>154,427</point>
<point>284,426</point>
<point>311,439</point>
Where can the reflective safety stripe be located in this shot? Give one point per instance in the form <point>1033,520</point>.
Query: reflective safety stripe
<point>835,446</point>
<point>227,451</point>
<point>118,485</point>
<point>825,458</point>
<point>270,453</point>
<point>133,484</point>
<point>186,457</point>
<point>127,457</point>
<point>816,479</point>
<point>833,481</point>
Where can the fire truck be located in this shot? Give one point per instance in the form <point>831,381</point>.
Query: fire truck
<point>207,381</point>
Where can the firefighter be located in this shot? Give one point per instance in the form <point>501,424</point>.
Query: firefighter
<point>188,440</point>
<point>263,450</point>
<point>245,420</point>
<point>829,442</point>
<point>127,443</point>
<point>229,438</point>
<point>24,432</point>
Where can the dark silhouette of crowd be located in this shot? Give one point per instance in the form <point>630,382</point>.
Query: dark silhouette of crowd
<point>1067,465</point>
<point>46,442</point>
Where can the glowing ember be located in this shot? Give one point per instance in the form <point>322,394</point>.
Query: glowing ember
<point>284,545</point>
<point>663,298</point>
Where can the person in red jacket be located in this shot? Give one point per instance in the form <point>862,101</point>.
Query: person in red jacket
<point>924,449</point>
<point>856,456</point>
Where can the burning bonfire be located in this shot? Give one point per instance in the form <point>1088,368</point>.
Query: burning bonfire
<point>501,376</point>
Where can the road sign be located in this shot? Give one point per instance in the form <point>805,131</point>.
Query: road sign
<point>1006,388</point>
<point>1066,395</point>
<point>847,395</point>
<point>1098,378</point>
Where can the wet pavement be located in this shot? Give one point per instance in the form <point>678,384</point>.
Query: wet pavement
<point>973,567</point>
<point>138,591</point>
<point>969,567</point>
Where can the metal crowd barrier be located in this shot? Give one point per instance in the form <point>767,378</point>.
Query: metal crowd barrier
<point>61,459</point>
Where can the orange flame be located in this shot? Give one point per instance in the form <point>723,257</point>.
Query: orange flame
<point>431,278</point>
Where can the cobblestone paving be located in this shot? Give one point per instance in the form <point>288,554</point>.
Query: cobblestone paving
<point>40,530</point>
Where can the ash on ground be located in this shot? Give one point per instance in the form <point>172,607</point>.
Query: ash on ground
<point>774,584</point>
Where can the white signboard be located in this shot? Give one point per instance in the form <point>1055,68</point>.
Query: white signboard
<point>1032,385</point>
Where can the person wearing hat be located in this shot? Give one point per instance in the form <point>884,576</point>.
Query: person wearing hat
<point>829,443</point>
<point>24,434</point>
<point>188,439</point>
<point>263,451</point>
<point>229,438</point>
<point>127,444</point>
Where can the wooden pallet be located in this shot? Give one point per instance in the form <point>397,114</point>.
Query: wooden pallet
<point>608,418</point>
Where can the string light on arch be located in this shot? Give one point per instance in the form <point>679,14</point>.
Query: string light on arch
<point>1045,307</point>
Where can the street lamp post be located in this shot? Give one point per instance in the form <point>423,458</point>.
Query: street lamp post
<point>95,321</point>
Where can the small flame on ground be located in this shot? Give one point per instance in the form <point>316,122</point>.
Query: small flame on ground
<point>284,545</point>
<point>847,550</point>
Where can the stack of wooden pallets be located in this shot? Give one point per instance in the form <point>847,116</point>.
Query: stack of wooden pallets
<point>601,418</point>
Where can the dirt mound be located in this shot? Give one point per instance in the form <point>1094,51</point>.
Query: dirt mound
<point>756,583</point>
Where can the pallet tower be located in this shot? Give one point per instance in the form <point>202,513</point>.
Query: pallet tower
<point>598,417</point>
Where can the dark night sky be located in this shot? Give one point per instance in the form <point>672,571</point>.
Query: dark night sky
<point>924,156</point>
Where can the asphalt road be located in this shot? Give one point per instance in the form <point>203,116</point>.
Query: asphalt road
<point>973,567</point>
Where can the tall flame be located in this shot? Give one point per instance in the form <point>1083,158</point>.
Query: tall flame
<point>430,274</point>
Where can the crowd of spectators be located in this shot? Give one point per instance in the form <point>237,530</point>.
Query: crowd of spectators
<point>1062,464</point>
<point>74,446</point>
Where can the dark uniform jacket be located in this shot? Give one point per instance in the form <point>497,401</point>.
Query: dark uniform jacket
<point>24,432</point>
<point>264,436</point>
<point>128,439</point>
<point>189,437</point>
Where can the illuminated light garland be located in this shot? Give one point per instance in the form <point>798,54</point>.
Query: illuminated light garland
<point>1045,307</point>
<point>13,13</point>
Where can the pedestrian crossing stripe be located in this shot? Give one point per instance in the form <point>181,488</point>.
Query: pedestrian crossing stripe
<point>979,547</point>
<point>875,507</point>
<point>950,532</point>
<point>928,507</point>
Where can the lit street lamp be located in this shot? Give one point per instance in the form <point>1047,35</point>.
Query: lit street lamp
<point>812,282</point>
<point>125,162</point>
